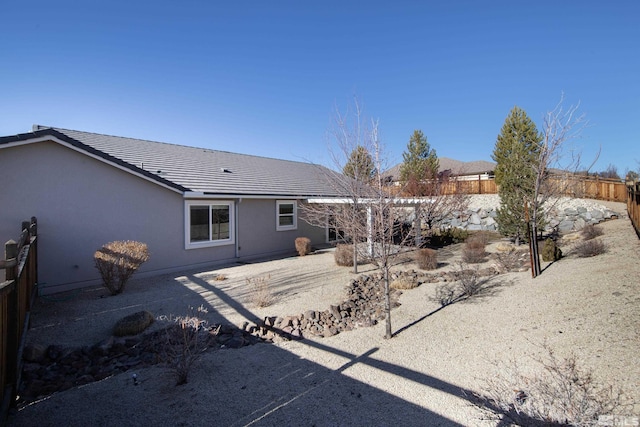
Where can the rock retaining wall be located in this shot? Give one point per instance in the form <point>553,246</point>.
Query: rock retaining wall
<point>567,216</point>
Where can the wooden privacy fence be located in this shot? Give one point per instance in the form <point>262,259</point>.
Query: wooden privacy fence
<point>633,204</point>
<point>17,294</point>
<point>571,185</point>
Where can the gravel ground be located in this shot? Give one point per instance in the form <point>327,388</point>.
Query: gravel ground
<point>587,306</point>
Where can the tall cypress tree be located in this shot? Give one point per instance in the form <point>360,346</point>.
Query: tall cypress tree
<point>360,165</point>
<point>420,163</point>
<point>516,155</point>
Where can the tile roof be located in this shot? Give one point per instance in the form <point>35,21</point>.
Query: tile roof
<point>199,169</point>
<point>457,167</point>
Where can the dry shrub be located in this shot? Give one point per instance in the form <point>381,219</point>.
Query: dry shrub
<point>468,284</point>
<point>133,324</point>
<point>589,248</point>
<point>117,261</point>
<point>186,340</point>
<point>474,250</point>
<point>344,255</point>
<point>468,281</point>
<point>261,295</point>
<point>590,231</point>
<point>303,246</point>
<point>427,259</point>
<point>404,282</point>
<point>561,392</point>
<point>512,260</point>
<point>446,294</point>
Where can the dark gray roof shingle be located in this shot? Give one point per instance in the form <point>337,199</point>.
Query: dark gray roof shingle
<point>204,170</point>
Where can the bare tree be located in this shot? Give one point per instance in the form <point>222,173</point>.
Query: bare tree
<point>386,216</point>
<point>444,194</point>
<point>561,126</point>
<point>349,139</point>
<point>368,212</point>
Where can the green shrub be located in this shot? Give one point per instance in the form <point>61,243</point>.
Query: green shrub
<point>427,259</point>
<point>550,251</point>
<point>449,236</point>
<point>117,261</point>
<point>474,250</point>
<point>133,324</point>
<point>590,248</point>
<point>344,255</point>
<point>303,246</point>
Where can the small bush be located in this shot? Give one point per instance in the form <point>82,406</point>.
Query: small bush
<point>474,250</point>
<point>449,236</point>
<point>427,259</point>
<point>561,393</point>
<point>404,283</point>
<point>445,294</point>
<point>512,260</point>
<point>590,231</point>
<point>589,248</point>
<point>260,291</point>
<point>344,255</point>
<point>133,324</point>
<point>469,281</point>
<point>303,246</point>
<point>117,261</point>
<point>186,340</point>
<point>550,251</point>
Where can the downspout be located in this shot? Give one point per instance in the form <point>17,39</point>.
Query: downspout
<point>237,227</point>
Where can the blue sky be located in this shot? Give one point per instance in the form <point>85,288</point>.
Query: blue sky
<point>265,77</point>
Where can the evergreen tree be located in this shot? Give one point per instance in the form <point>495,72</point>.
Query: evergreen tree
<point>360,165</point>
<point>420,164</point>
<point>516,154</point>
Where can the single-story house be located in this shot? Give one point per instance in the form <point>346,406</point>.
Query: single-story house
<point>462,171</point>
<point>193,207</point>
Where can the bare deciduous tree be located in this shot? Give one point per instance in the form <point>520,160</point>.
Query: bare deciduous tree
<point>367,212</point>
<point>561,126</point>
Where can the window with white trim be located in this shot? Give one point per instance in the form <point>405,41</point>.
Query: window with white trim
<point>286,215</point>
<point>209,223</point>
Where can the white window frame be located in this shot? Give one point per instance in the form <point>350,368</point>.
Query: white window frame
<point>188,244</point>
<point>293,226</point>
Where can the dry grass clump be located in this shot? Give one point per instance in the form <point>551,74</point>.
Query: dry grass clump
<point>133,324</point>
<point>589,248</point>
<point>261,295</point>
<point>590,231</point>
<point>474,250</point>
<point>344,255</point>
<point>427,259</point>
<point>561,393</point>
<point>117,261</point>
<point>303,246</point>
<point>403,283</point>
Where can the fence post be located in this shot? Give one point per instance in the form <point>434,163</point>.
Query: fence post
<point>13,313</point>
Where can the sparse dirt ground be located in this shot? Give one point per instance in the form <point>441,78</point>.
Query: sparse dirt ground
<point>588,306</point>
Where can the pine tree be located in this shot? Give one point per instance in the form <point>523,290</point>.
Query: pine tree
<point>516,154</point>
<point>360,165</point>
<point>420,164</point>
